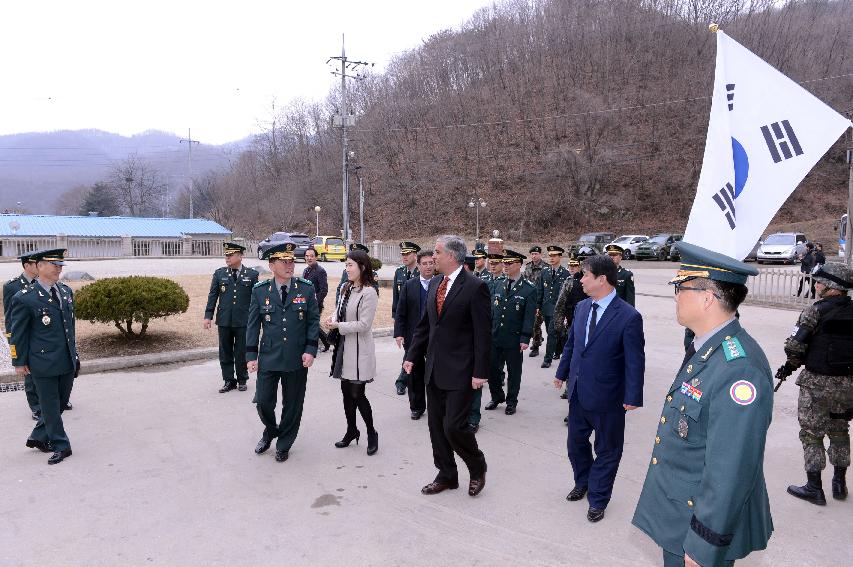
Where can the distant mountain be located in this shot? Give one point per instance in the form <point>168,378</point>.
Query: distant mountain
<point>37,168</point>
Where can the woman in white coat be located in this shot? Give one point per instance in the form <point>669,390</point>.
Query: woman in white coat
<point>354,359</point>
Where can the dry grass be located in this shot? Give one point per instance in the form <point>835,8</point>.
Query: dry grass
<point>182,331</point>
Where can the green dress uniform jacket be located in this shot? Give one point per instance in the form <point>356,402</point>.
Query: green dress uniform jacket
<point>625,285</point>
<point>484,274</point>
<point>43,333</point>
<point>704,492</point>
<point>233,297</point>
<point>401,276</point>
<point>10,288</point>
<point>548,288</point>
<point>291,327</point>
<point>513,313</point>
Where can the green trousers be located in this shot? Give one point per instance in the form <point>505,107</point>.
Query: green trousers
<point>53,394</point>
<point>513,358</point>
<point>32,395</point>
<point>232,354</point>
<point>292,397</point>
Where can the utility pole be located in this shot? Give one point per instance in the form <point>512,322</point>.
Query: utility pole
<point>342,121</point>
<point>189,141</point>
<point>848,246</point>
<point>360,204</point>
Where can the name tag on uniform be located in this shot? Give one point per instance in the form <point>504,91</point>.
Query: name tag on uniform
<point>691,391</point>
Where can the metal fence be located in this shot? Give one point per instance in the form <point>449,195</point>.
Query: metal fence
<point>781,287</point>
<point>386,253</point>
<point>94,247</point>
<point>14,247</point>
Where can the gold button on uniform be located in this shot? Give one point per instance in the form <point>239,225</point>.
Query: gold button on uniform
<point>662,419</point>
<point>669,398</point>
<point>657,440</point>
<point>690,503</point>
<point>654,460</point>
<point>682,408</point>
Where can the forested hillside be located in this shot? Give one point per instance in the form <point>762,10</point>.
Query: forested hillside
<point>563,115</point>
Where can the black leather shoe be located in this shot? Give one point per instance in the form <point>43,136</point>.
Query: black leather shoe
<point>577,493</point>
<point>534,352</point>
<point>36,416</point>
<point>556,356</point>
<point>476,485</point>
<point>263,445</point>
<point>812,491</point>
<point>228,387</point>
<point>839,483</point>
<point>546,364</point>
<point>40,445</point>
<point>242,387</point>
<point>372,443</point>
<point>594,515</point>
<point>493,404</point>
<point>474,428</point>
<point>437,486</point>
<point>416,415</point>
<point>510,410</point>
<point>68,407</point>
<point>59,456</point>
<point>566,420</point>
<point>401,389</point>
<point>281,456</point>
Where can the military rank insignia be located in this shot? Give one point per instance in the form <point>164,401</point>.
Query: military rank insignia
<point>12,351</point>
<point>733,349</point>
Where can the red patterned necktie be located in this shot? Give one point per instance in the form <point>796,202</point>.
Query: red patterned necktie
<point>439,297</point>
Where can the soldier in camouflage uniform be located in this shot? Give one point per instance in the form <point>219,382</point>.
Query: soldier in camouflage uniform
<point>409,269</point>
<point>532,270</point>
<point>822,341</point>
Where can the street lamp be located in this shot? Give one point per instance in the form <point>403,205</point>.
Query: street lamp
<point>317,210</point>
<point>477,203</point>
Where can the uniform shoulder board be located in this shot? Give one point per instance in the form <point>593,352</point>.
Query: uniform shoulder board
<point>733,349</point>
<point>260,283</point>
<point>303,280</point>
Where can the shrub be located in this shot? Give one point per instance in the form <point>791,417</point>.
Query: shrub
<point>376,263</point>
<point>127,300</point>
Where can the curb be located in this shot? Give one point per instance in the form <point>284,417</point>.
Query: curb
<point>169,357</point>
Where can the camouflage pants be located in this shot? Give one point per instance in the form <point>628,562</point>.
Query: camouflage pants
<point>537,331</point>
<point>824,395</point>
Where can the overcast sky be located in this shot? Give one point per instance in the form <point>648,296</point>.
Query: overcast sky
<point>214,66</point>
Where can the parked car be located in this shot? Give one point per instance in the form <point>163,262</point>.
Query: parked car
<point>302,241</point>
<point>330,248</point>
<point>785,247</point>
<point>658,247</point>
<point>629,243</point>
<point>591,243</point>
<point>753,254</point>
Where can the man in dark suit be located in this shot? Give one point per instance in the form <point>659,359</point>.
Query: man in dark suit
<point>410,307</point>
<point>454,335</point>
<point>604,362</point>
<point>316,274</point>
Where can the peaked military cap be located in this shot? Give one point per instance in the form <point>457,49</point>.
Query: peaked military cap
<point>357,246</point>
<point>479,253</point>
<point>495,257</point>
<point>280,252</point>
<point>614,249</point>
<point>573,261</point>
<point>24,258</point>
<point>408,248</point>
<point>232,248</point>
<point>511,256</point>
<point>555,250</point>
<point>535,249</point>
<point>698,262</point>
<point>55,256</point>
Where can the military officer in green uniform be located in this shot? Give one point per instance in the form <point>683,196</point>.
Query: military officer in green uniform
<point>231,288</point>
<point>822,342</point>
<point>495,278</point>
<point>409,269</point>
<point>43,344</point>
<point>624,278</point>
<point>345,278</point>
<point>281,343</point>
<point>481,268</point>
<point>532,271</point>
<point>548,291</point>
<point>704,500</point>
<point>513,313</point>
<point>10,288</point>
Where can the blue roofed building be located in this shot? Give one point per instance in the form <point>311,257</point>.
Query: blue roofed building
<point>111,237</point>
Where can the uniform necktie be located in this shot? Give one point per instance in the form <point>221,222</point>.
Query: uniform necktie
<point>234,274</point>
<point>592,321</point>
<point>508,287</point>
<point>691,350</point>
<point>54,295</point>
<point>283,293</point>
<point>439,296</point>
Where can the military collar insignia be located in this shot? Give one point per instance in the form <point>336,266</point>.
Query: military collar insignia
<point>733,349</point>
<point>707,353</point>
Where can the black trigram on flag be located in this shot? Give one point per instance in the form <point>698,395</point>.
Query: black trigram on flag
<point>725,199</point>
<point>781,141</point>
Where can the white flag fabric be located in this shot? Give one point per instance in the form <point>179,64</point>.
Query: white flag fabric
<point>764,135</point>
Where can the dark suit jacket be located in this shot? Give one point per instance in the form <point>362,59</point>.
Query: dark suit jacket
<point>608,371</point>
<point>408,310</point>
<point>456,343</point>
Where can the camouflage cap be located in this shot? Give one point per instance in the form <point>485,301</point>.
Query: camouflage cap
<point>835,275</point>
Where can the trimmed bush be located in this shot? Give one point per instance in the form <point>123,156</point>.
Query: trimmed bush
<point>376,263</point>
<point>127,300</point>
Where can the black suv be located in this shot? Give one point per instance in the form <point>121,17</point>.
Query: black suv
<point>659,247</point>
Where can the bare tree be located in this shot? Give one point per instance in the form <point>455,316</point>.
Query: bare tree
<point>139,187</point>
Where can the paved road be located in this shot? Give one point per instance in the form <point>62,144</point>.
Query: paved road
<point>163,473</point>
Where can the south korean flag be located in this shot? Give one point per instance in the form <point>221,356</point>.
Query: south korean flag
<point>764,135</point>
